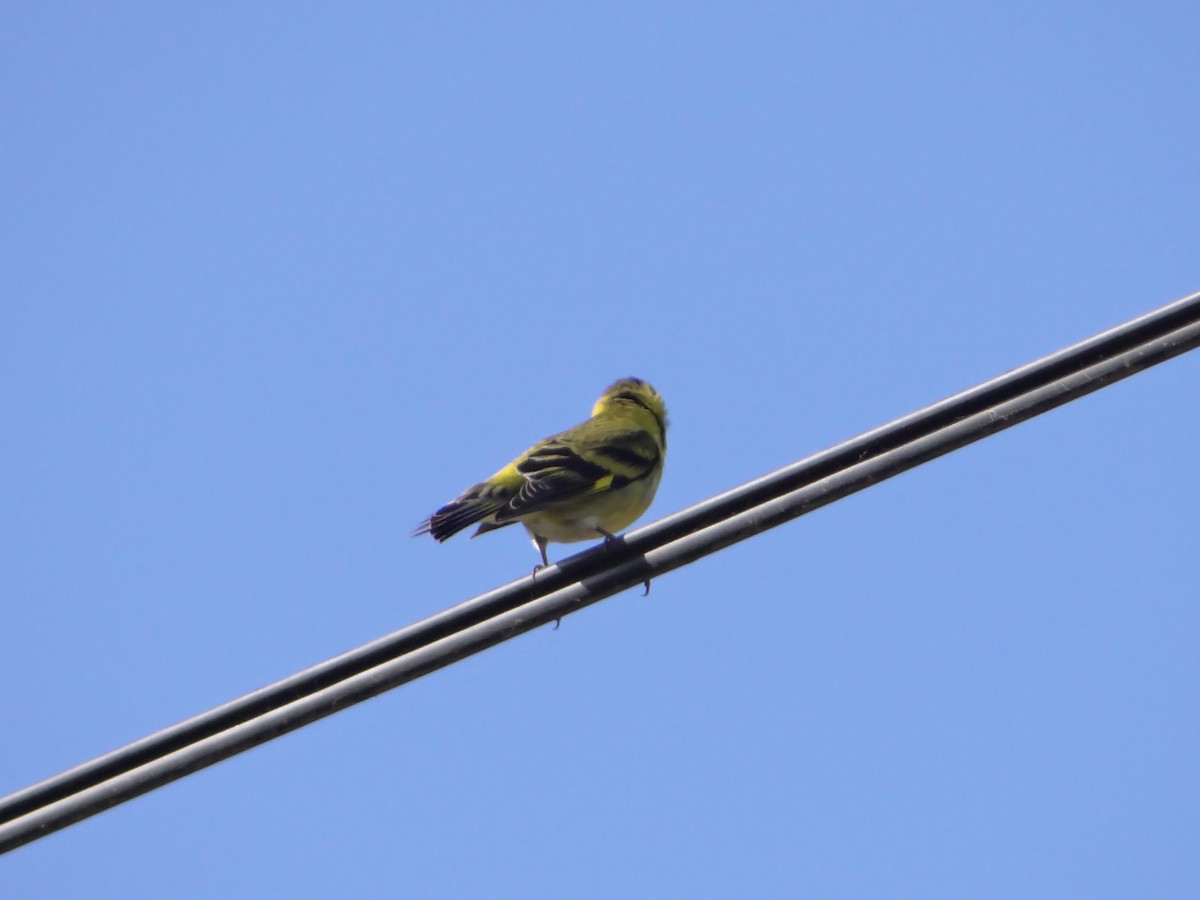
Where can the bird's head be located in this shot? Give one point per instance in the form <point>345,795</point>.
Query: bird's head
<point>637,397</point>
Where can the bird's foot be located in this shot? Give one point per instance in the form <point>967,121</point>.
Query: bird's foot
<point>609,540</point>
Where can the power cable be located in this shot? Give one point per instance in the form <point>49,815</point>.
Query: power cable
<point>593,575</point>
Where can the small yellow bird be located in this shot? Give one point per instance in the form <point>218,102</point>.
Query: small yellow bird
<point>590,481</point>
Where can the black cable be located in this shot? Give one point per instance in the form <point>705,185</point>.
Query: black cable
<point>598,573</point>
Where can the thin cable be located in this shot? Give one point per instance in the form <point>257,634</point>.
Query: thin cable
<point>865,446</point>
<point>595,574</point>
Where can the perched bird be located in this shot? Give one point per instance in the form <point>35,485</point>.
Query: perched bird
<point>590,481</point>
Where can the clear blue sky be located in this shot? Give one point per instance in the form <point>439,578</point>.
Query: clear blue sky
<point>280,279</point>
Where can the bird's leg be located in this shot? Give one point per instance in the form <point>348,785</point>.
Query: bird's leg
<point>540,543</point>
<point>609,538</point>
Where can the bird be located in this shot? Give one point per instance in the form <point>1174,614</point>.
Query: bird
<point>587,482</point>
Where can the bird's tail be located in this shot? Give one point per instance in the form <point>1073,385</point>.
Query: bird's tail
<point>473,505</point>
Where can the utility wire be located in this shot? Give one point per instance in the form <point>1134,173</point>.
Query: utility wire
<point>593,575</point>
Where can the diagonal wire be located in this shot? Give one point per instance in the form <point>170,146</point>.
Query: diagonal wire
<point>586,578</point>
